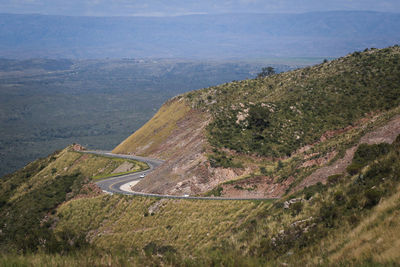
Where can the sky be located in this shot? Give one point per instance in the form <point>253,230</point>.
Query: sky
<point>187,7</point>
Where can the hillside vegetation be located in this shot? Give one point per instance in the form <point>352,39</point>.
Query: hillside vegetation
<point>276,115</point>
<point>31,194</point>
<point>352,220</point>
<point>156,131</point>
<point>338,187</point>
<point>263,137</point>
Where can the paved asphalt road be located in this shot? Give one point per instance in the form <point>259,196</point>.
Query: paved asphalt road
<point>113,185</point>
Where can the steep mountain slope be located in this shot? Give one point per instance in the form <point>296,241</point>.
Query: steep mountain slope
<point>30,195</point>
<point>352,220</point>
<point>176,134</point>
<point>341,205</point>
<point>272,133</point>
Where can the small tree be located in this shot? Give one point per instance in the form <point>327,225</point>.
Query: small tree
<point>280,165</point>
<point>266,71</point>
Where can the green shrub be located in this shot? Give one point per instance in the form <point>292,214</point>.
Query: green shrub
<point>339,198</point>
<point>354,168</point>
<point>296,208</point>
<point>287,111</point>
<point>372,196</point>
<point>334,179</point>
<point>221,159</point>
<point>24,216</point>
<point>328,213</point>
<point>280,165</point>
<point>217,192</point>
<point>263,171</point>
<point>238,187</point>
<point>366,153</point>
<point>311,190</point>
<point>353,203</point>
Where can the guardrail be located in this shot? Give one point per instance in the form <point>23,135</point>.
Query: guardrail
<point>189,197</point>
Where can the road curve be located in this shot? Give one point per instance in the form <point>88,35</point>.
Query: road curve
<point>113,185</point>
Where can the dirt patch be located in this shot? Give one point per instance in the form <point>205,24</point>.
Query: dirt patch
<point>322,174</point>
<point>332,133</point>
<point>124,167</point>
<point>318,161</point>
<point>384,134</point>
<point>184,170</point>
<point>78,147</point>
<point>79,160</point>
<point>256,187</point>
<point>88,190</point>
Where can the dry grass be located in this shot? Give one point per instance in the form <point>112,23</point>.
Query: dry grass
<point>187,225</point>
<point>377,237</point>
<point>69,162</point>
<point>155,131</point>
<point>85,258</point>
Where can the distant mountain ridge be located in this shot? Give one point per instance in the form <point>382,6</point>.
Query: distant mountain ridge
<point>326,34</point>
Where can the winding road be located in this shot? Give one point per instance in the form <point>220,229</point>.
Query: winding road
<point>121,184</point>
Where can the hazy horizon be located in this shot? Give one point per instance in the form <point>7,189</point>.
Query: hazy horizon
<point>180,7</point>
<point>157,15</point>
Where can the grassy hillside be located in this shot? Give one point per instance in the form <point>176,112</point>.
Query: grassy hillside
<point>352,220</point>
<point>276,115</point>
<point>156,131</point>
<point>258,232</point>
<point>30,195</point>
<point>271,134</point>
<point>325,139</point>
<point>339,185</point>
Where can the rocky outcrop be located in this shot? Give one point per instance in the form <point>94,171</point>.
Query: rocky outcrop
<point>383,134</point>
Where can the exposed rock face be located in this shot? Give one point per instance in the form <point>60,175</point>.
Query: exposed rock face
<point>257,187</point>
<point>124,167</point>
<point>78,147</point>
<point>319,161</point>
<point>384,134</point>
<point>298,120</point>
<point>153,209</point>
<point>186,170</point>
